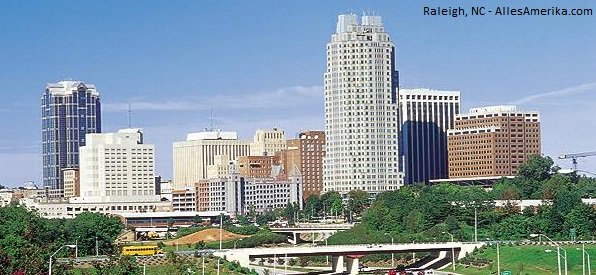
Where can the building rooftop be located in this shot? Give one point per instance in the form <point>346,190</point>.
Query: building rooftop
<point>212,135</point>
<point>68,87</point>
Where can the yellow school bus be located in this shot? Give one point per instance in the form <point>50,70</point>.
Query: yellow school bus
<point>141,250</point>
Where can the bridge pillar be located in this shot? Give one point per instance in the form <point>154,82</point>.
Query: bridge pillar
<point>337,264</point>
<point>352,265</point>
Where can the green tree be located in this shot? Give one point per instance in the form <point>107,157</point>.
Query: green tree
<point>313,206</point>
<point>331,202</point>
<point>537,168</point>
<point>88,227</point>
<point>357,201</point>
<point>581,218</point>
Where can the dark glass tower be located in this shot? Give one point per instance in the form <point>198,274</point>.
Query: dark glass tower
<point>69,110</point>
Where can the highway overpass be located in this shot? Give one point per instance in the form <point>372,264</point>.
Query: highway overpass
<point>323,230</point>
<point>340,254</point>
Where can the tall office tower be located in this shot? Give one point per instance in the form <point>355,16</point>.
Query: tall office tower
<point>361,108</point>
<point>117,167</point>
<point>425,116</point>
<point>69,111</point>
<point>268,142</point>
<point>200,150</point>
<point>492,141</point>
<point>306,154</point>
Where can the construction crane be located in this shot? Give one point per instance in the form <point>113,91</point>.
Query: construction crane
<point>574,157</point>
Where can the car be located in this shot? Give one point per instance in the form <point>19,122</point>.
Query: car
<point>397,271</point>
<point>362,267</point>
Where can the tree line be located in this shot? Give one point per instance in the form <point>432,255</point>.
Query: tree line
<point>27,240</point>
<point>423,213</point>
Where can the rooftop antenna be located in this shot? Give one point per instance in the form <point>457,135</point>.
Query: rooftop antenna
<point>129,116</point>
<point>210,129</point>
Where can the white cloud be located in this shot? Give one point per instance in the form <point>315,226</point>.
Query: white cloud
<point>589,87</point>
<point>280,98</point>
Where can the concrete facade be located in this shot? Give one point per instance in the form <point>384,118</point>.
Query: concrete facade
<point>268,142</point>
<point>361,124</point>
<point>69,210</point>
<point>492,141</point>
<point>72,183</point>
<point>193,156</point>
<point>117,167</point>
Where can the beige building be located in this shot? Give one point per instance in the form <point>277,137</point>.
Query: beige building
<point>71,182</point>
<point>492,141</point>
<point>268,142</point>
<point>193,156</point>
<point>117,167</point>
<point>306,154</point>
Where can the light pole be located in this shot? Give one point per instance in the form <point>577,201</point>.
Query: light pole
<point>220,233</point>
<point>326,256</point>
<point>565,256</point>
<point>584,256</point>
<point>203,265</point>
<point>558,251</point>
<point>475,224</point>
<point>452,250</point>
<point>66,245</point>
<point>498,260</point>
<point>392,255</point>
<point>96,247</point>
<point>236,242</point>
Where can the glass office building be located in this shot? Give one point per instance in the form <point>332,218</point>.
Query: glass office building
<point>69,110</point>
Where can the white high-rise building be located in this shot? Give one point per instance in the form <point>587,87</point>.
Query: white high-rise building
<point>361,124</point>
<point>268,142</point>
<point>425,117</point>
<point>200,150</point>
<point>116,167</point>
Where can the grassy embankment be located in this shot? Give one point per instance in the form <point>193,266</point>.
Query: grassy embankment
<point>532,260</point>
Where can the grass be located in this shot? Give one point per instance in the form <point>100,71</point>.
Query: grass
<point>529,260</point>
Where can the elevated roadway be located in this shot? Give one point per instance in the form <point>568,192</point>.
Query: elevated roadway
<point>323,230</point>
<point>340,254</point>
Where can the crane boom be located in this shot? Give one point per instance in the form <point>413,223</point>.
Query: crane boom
<point>574,157</point>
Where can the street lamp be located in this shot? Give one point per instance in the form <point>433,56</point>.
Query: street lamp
<point>220,231</point>
<point>392,256</point>
<point>236,242</point>
<point>584,255</point>
<point>558,252</point>
<point>452,250</point>
<point>66,245</point>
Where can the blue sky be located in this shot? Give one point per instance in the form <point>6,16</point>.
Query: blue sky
<point>260,64</point>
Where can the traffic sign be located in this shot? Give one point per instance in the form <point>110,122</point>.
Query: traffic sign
<point>506,272</point>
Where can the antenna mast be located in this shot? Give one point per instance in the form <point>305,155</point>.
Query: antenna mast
<point>129,116</point>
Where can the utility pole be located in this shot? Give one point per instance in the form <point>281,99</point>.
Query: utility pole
<point>475,224</point>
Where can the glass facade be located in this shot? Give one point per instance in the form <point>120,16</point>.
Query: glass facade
<point>69,110</point>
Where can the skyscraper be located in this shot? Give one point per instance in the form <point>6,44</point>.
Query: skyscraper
<point>425,116</point>
<point>361,108</point>
<point>69,110</point>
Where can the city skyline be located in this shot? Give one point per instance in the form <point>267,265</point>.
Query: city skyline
<point>267,60</point>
